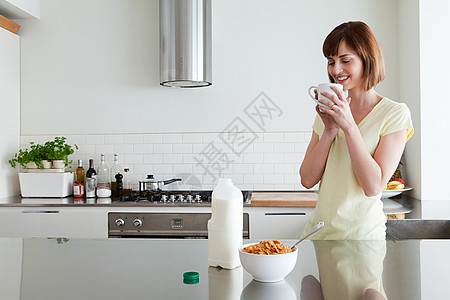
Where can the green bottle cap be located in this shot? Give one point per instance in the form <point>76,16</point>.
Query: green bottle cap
<point>190,277</point>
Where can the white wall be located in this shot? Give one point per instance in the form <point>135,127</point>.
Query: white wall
<point>409,86</point>
<point>10,110</point>
<point>98,63</point>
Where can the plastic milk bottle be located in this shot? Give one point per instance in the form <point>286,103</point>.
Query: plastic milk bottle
<point>225,226</point>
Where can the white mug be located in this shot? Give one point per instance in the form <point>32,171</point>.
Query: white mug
<point>325,87</point>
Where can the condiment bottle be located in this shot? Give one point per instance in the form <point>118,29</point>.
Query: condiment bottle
<point>103,179</point>
<point>80,175</point>
<point>115,169</point>
<point>225,226</point>
<point>91,180</point>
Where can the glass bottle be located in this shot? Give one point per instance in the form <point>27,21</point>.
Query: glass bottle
<point>103,179</point>
<point>91,180</point>
<point>127,188</point>
<point>80,175</point>
<point>79,180</point>
<point>115,168</point>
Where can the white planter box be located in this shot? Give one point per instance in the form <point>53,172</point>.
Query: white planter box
<point>46,184</point>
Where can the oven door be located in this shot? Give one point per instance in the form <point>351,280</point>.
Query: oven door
<point>163,225</point>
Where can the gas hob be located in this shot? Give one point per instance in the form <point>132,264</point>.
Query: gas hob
<point>193,197</point>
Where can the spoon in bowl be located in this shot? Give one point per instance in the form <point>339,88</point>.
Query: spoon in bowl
<point>316,228</point>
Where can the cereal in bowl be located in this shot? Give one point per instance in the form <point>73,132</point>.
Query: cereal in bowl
<point>270,247</point>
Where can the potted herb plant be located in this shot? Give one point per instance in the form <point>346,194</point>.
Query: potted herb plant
<point>46,183</point>
<point>58,151</point>
<point>41,156</point>
<point>32,158</point>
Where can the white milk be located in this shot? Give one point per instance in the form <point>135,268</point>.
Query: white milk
<point>225,226</point>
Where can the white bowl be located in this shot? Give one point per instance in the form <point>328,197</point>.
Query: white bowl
<point>268,268</point>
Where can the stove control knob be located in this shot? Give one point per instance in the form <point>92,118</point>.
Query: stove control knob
<point>198,198</point>
<point>120,222</point>
<point>137,223</point>
<point>181,198</point>
<point>172,198</point>
<point>164,198</point>
<point>189,198</point>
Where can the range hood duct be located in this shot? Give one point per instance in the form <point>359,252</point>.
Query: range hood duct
<point>185,43</point>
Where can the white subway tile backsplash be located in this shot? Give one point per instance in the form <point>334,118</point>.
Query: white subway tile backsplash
<point>95,139</point>
<point>273,178</point>
<point>143,169</point>
<point>182,148</point>
<point>172,138</point>
<point>172,158</point>
<point>273,158</point>
<point>263,168</point>
<point>243,168</point>
<point>301,147</point>
<point>24,141</point>
<point>162,169</point>
<point>285,168</point>
<point>253,178</point>
<point>76,139</point>
<point>114,139</point>
<point>292,178</point>
<point>283,147</point>
<point>162,148</point>
<point>154,158</point>
<point>273,137</point>
<point>133,158</point>
<point>182,168</point>
<point>143,148</point>
<point>294,137</point>
<point>155,138</point>
<point>253,158</point>
<point>192,138</point>
<point>124,149</point>
<point>292,158</point>
<point>263,147</point>
<point>133,138</point>
<point>255,161</point>
<point>191,158</point>
<point>85,149</point>
<point>264,187</point>
<point>105,149</point>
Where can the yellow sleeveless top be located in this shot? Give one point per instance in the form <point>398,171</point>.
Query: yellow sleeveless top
<point>342,205</point>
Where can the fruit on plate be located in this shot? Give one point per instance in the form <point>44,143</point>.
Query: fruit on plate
<point>396,184</point>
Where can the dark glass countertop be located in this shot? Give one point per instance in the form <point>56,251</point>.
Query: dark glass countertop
<point>153,269</point>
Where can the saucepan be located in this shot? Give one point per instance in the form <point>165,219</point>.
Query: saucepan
<point>153,185</point>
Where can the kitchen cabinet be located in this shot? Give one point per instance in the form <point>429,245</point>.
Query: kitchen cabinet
<point>10,110</point>
<point>278,222</point>
<point>70,222</point>
<point>20,9</point>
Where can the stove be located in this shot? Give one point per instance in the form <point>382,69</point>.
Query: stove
<point>170,222</point>
<point>176,197</point>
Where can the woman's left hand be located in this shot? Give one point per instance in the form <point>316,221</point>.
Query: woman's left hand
<point>340,111</point>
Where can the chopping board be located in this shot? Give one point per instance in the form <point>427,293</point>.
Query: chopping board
<point>283,199</point>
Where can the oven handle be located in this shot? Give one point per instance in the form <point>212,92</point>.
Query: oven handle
<point>35,211</point>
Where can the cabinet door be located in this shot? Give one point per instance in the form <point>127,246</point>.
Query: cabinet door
<point>10,110</point>
<point>278,223</point>
<point>45,222</point>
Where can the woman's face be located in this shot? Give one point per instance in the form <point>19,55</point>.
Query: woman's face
<point>346,68</point>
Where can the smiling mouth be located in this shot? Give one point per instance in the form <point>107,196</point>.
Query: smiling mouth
<point>341,79</point>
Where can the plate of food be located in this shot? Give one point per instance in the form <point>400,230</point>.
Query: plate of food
<point>394,187</point>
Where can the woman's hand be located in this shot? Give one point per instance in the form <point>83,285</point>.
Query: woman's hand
<point>328,121</point>
<point>339,109</point>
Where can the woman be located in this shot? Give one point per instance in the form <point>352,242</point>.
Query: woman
<point>357,143</point>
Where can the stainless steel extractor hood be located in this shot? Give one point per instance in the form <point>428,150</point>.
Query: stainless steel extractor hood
<point>185,43</point>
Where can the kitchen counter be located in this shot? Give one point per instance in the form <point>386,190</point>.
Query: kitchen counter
<point>18,201</point>
<point>153,269</point>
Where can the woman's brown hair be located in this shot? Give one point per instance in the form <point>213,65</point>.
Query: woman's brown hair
<point>358,36</point>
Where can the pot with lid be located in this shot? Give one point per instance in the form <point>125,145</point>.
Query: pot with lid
<point>150,184</point>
